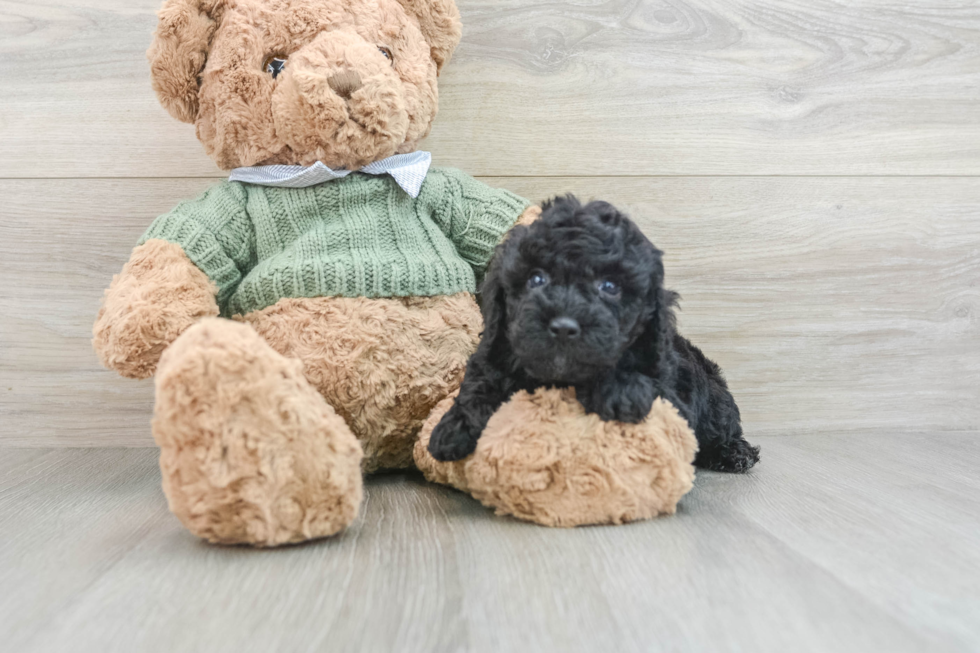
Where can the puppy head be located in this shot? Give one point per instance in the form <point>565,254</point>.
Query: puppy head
<point>576,291</point>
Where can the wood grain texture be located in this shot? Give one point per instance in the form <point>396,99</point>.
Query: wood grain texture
<point>843,304</point>
<point>620,87</point>
<point>833,304</point>
<point>833,543</point>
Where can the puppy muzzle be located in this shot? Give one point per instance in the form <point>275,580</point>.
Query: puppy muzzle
<point>562,338</point>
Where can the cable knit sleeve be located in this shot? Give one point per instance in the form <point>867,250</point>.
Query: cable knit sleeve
<point>473,215</point>
<point>216,234</point>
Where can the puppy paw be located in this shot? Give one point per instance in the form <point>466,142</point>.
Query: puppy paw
<point>452,439</point>
<point>618,398</point>
<point>734,457</point>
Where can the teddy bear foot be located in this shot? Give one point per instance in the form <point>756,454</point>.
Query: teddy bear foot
<point>541,458</point>
<point>250,453</point>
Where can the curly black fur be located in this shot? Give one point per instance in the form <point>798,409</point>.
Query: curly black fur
<point>577,299</point>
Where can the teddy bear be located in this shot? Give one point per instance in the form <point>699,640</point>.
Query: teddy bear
<point>305,318</point>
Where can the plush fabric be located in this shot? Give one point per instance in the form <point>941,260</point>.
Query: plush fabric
<point>249,451</point>
<point>158,295</point>
<point>383,364</point>
<point>206,64</point>
<point>360,236</point>
<point>542,459</point>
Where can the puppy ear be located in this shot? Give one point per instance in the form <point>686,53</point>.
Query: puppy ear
<point>493,299</point>
<point>440,24</point>
<point>657,340</point>
<point>178,53</point>
<point>493,305</point>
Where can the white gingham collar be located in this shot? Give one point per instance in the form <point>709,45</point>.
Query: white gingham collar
<point>408,171</point>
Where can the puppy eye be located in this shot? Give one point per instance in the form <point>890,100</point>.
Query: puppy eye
<point>609,287</point>
<point>387,53</point>
<point>537,279</point>
<point>274,66</point>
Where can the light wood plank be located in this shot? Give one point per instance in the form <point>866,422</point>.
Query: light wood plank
<point>826,546</point>
<point>67,519</point>
<point>870,510</point>
<point>61,242</point>
<point>625,87</point>
<point>833,304</point>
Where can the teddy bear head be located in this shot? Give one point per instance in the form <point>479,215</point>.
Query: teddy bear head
<point>345,82</point>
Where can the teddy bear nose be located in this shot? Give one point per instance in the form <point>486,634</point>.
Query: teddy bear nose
<point>345,83</point>
<point>564,328</point>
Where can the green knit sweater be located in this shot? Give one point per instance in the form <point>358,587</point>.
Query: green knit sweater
<point>360,236</point>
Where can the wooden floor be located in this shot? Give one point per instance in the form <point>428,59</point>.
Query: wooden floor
<point>811,169</point>
<point>848,543</point>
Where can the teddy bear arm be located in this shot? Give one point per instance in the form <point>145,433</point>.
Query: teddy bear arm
<point>158,295</point>
<point>482,260</point>
<point>474,216</point>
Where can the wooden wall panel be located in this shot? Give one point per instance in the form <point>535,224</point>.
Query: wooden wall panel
<point>834,304</point>
<point>622,87</point>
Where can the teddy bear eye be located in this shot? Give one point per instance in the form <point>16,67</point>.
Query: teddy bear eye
<point>537,279</point>
<point>387,53</point>
<point>609,287</point>
<point>274,66</point>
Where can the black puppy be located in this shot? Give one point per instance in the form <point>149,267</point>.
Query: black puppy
<point>577,299</point>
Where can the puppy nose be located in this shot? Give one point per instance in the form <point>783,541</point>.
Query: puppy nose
<point>345,83</point>
<point>564,328</point>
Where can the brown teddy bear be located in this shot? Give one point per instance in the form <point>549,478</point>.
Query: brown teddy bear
<point>305,317</point>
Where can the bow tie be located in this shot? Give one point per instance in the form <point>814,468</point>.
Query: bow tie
<point>408,171</point>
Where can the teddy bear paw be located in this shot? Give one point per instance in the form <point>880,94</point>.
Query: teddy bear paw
<point>543,459</point>
<point>250,452</point>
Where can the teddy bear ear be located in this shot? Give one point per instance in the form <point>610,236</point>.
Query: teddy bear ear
<point>440,24</point>
<point>179,51</point>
